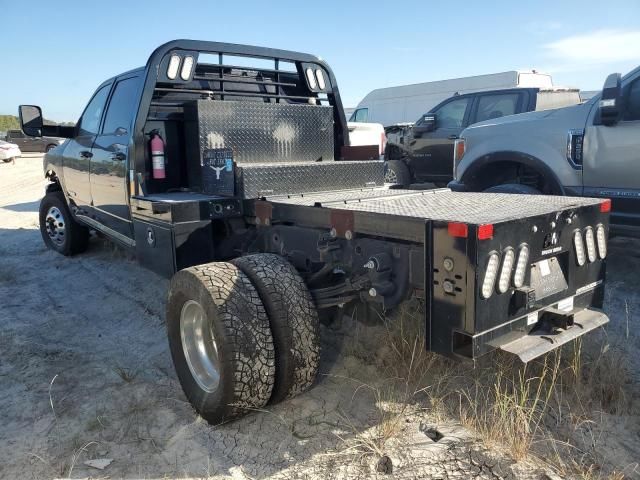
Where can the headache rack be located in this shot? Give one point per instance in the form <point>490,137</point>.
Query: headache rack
<point>224,71</point>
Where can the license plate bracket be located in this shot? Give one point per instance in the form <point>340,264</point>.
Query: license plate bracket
<point>547,278</point>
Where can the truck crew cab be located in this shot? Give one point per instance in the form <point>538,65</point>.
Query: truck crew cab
<point>592,149</point>
<point>422,151</point>
<point>238,182</point>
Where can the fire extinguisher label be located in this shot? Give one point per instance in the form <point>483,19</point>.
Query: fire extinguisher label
<point>157,159</point>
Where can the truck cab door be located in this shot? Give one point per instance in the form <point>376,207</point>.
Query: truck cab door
<point>431,153</point>
<point>611,164</point>
<point>33,144</point>
<point>77,153</point>
<point>109,159</point>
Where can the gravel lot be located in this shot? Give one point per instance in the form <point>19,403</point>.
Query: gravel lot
<point>86,373</point>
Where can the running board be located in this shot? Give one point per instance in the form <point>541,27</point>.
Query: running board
<point>91,223</point>
<point>538,343</point>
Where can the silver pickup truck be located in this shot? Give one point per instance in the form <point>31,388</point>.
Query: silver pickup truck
<point>591,149</point>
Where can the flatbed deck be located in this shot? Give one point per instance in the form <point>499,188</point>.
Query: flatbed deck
<point>402,214</point>
<point>438,204</point>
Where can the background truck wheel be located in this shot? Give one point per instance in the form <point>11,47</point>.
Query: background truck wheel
<point>397,173</point>
<point>7,160</point>
<point>59,230</point>
<point>513,188</point>
<point>294,321</point>
<point>50,147</point>
<point>220,341</point>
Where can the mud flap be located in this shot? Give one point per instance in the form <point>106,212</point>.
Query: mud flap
<point>539,342</point>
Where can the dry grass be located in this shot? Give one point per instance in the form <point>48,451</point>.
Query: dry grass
<point>528,410</point>
<point>128,375</point>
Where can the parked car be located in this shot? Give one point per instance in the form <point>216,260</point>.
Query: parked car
<point>592,149</point>
<point>405,103</point>
<point>32,144</point>
<point>9,151</point>
<point>422,152</point>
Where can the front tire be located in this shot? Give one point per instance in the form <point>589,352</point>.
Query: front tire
<point>220,341</point>
<point>513,188</point>
<point>293,318</point>
<point>50,147</point>
<point>7,160</point>
<point>58,228</point>
<point>397,173</point>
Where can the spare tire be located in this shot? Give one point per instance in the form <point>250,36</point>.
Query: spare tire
<point>293,318</point>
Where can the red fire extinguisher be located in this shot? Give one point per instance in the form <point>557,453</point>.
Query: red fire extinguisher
<point>157,155</point>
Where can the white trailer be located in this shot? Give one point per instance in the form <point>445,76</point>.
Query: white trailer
<point>406,103</point>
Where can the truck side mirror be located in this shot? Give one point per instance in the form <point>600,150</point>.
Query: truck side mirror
<point>31,120</point>
<point>428,124</point>
<point>611,99</point>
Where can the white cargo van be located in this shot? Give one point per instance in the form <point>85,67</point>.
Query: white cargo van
<point>406,103</point>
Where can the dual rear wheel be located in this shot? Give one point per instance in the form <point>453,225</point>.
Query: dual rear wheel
<point>242,334</point>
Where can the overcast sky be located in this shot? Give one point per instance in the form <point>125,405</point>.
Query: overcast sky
<point>56,53</point>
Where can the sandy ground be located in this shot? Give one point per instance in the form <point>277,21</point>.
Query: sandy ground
<point>85,373</point>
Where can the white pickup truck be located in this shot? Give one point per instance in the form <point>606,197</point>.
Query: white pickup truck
<point>361,134</point>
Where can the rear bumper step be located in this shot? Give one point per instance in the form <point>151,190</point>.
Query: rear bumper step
<point>538,343</point>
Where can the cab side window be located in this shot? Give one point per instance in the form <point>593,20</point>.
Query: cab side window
<point>496,106</point>
<point>361,115</point>
<point>90,121</point>
<point>122,106</point>
<point>451,115</point>
<point>632,111</point>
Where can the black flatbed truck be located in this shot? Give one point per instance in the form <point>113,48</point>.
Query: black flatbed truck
<point>266,216</point>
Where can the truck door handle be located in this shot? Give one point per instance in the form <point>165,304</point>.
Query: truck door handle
<point>118,156</point>
<point>86,154</point>
<point>452,137</point>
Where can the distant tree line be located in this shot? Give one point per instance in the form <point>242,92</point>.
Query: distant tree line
<point>9,122</point>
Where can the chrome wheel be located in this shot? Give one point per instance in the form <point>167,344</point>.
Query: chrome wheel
<point>54,223</point>
<point>390,176</point>
<point>199,346</point>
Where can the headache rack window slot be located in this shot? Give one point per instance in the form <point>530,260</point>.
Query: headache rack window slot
<point>239,67</point>
<point>225,93</point>
<point>244,80</point>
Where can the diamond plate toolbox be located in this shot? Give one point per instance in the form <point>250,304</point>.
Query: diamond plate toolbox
<point>262,133</point>
<point>254,181</point>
